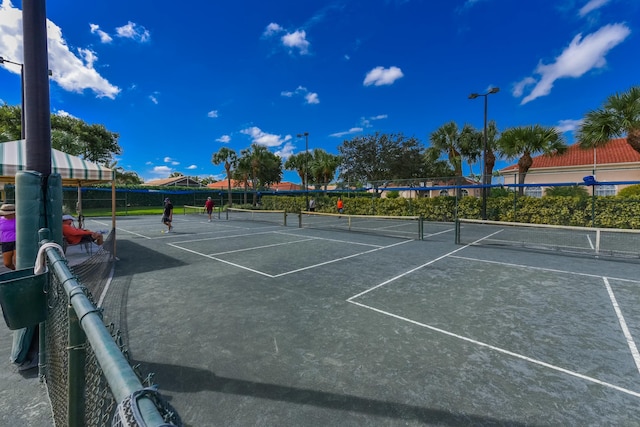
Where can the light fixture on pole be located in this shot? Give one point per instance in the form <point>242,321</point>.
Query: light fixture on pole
<point>486,179</point>
<point>306,167</point>
<point>2,61</point>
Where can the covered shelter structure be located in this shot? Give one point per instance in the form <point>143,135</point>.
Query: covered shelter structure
<point>73,170</point>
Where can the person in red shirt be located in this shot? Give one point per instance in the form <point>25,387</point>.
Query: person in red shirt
<point>75,235</point>
<point>209,205</point>
<point>340,205</point>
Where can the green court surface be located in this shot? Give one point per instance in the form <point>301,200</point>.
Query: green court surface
<point>252,323</point>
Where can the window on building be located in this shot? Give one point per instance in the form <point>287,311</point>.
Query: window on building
<point>464,192</point>
<point>533,191</point>
<point>605,190</point>
<point>444,193</point>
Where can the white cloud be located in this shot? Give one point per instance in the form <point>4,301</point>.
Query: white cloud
<point>519,87</point>
<point>262,138</point>
<point>104,37</point>
<point>72,73</point>
<point>591,6</point>
<point>170,160</point>
<point>272,29</point>
<point>382,76</point>
<point>192,167</point>
<point>213,114</point>
<point>366,122</point>
<point>349,132</point>
<point>133,31</point>
<point>153,99</point>
<point>297,40</point>
<point>162,170</point>
<point>286,151</point>
<point>224,139</point>
<point>63,113</point>
<point>581,56</point>
<point>568,125</point>
<point>310,97</point>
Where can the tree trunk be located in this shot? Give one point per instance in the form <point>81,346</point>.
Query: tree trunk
<point>633,139</point>
<point>524,164</point>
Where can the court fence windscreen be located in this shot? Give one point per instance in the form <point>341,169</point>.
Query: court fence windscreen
<point>581,240</point>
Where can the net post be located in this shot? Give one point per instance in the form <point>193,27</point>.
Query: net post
<point>457,231</point>
<point>285,218</point>
<point>300,219</point>
<point>597,241</point>
<point>227,214</point>
<point>421,227</point>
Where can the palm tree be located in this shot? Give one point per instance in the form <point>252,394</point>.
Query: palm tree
<point>298,162</point>
<point>619,115</point>
<point>230,159</point>
<point>324,166</point>
<point>449,139</point>
<point>526,141</point>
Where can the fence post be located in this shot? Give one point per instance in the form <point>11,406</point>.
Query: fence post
<point>76,377</point>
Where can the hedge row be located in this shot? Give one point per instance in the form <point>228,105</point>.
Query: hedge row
<point>609,212</point>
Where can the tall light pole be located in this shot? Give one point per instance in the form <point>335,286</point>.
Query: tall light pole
<point>486,180</point>
<point>2,61</point>
<point>306,167</point>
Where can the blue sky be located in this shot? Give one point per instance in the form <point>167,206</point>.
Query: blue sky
<point>180,81</point>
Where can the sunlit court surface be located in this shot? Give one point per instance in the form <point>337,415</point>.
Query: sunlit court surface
<point>256,323</point>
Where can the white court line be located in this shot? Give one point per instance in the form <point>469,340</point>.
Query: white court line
<point>623,325</point>
<point>552,270</point>
<point>223,237</point>
<point>418,267</point>
<point>440,232</point>
<point>503,351</point>
<point>342,259</point>
<point>260,247</point>
<point>332,240</point>
<point>590,242</point>
<point>221,260</point>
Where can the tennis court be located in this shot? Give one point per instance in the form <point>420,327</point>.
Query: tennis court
<point>249,322</point>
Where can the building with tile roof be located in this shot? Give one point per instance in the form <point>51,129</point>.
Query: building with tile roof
<point>176,181</point>
<point>615,164</point>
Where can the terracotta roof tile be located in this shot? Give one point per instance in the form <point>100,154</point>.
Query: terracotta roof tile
<point>616,151</point>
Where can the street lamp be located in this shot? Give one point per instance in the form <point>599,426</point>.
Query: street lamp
<point>306,166</point>
<point>486,180</point>
<point>2,61</point>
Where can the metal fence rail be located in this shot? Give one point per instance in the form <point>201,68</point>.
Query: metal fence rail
<point>89,380</point>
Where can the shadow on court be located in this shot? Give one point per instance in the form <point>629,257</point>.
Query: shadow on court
<point>137,259</point>
<point>191,380</point>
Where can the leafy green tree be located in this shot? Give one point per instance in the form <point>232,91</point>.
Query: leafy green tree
<point>380,158</point>
<point>630,191</point>
<point>523,142</point>
<point>91,142</point>
<point>176,174</point>
<point>618,116</point>
<point>230,159</point>
<point>434,167</point>
<point>323,167</point>
<point>68,134</point>
<point>10,122</point>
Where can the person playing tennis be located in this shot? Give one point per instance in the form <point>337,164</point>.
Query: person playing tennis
<point>167,214</point>
<point>209,205</point>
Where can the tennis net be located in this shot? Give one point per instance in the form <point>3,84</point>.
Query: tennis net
<point>409,227</point>
<point>199,210</point>
<point>272,216</point>
<point>581,240</point>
